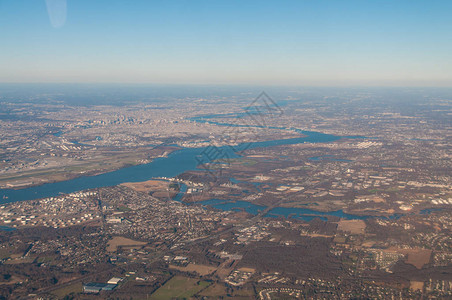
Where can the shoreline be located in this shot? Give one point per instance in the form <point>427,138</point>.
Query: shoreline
<point>178,162</point>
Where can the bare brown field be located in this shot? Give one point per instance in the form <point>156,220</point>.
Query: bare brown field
<point>119,241</point>
<point>416,285</point>
<point>200,269</point>
<point>317,235</point>
<point>147,186</point>
<point>416,257</point>
<point>352,226</point>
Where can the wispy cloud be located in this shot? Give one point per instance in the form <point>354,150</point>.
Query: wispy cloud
<point>57,10</point>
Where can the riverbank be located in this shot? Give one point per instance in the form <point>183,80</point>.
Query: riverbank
<point>175,163</point>
<point>101,165</point>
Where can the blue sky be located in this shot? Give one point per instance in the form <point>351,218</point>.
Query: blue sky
<point>406,43</point>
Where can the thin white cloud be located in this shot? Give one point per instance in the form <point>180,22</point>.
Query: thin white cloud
<point>57,10</point>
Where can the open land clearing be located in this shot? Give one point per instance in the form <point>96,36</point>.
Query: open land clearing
<point>200,269</point>
<point>352,226</point>
<point>179,287</point>
<point>147,186</point>
<point>119,241</point>
<point>417,257</point>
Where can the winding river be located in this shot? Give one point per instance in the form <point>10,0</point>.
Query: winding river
<point>178,162</point>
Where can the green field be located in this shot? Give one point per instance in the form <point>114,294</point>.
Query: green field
<point>64,291</point>
<point>179,287</point>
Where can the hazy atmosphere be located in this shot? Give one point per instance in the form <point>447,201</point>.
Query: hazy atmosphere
<point>225,150</point>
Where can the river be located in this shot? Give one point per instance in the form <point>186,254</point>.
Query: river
<point>176,163</point>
